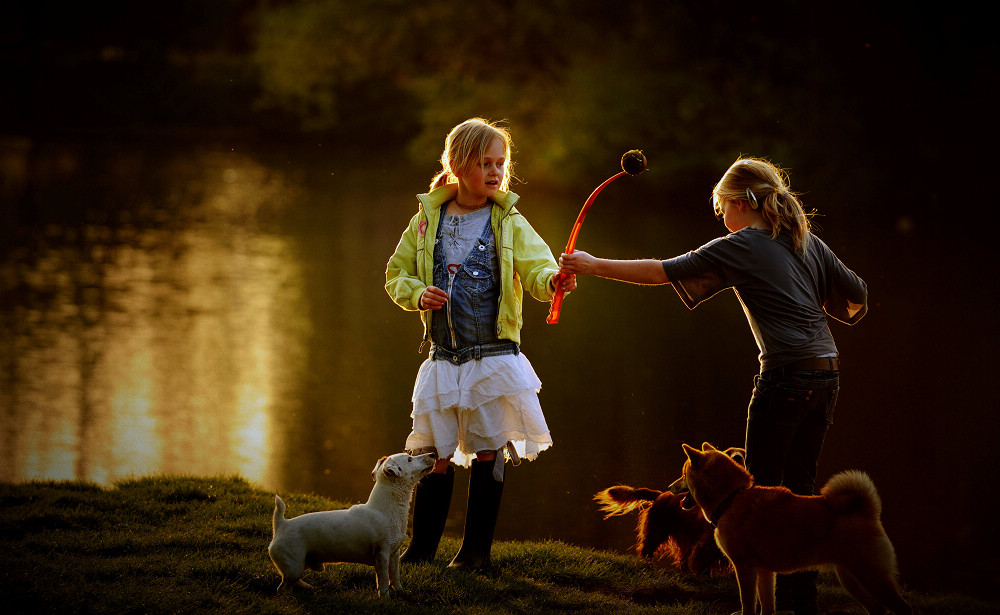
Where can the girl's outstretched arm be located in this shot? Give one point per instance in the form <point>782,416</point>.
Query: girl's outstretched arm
<point>645,271</point>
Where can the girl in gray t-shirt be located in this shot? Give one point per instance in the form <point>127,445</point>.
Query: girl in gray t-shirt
<point>789,282</point>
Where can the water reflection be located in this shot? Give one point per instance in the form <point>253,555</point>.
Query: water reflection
<point>138,348</point>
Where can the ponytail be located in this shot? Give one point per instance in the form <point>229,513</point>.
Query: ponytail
<point>440,179</point>
<point>783,210</point>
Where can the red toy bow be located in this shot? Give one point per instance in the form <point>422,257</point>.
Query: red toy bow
<point>633,163</point>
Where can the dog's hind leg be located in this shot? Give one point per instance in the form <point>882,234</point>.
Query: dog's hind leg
<point>881,582</point>
<point>290,568</point>
<point>657,524</point>
<point>873,574</point>
<point>288,583</point>
<point>887,593</point>
<point>649,534</point>
<point>857,589</point>
<point>879,588</point>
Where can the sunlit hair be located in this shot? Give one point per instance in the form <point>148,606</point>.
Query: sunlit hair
<point>466,147</point>
<point>769,191</point>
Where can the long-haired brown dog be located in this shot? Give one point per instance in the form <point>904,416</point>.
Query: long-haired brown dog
<point>666,527</point>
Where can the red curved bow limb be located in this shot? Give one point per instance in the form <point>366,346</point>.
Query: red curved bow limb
<point>556,307</point>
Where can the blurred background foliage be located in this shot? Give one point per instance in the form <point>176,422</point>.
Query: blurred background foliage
<point>698,83</point>
<point>695,79</point>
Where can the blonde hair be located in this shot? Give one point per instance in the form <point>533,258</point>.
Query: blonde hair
<point>466,146</point>
<point>763,185</point>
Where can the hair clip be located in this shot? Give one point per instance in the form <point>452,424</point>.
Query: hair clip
<point>753,199</point>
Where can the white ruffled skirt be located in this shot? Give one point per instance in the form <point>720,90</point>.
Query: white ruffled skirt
<point>480,405</point>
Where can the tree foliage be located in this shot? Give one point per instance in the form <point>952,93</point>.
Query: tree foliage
<point>700,82</point>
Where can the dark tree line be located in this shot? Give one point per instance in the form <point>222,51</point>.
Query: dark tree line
<point>813,85</point>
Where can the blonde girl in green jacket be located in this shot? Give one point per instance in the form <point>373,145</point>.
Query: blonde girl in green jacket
<point>464,262</point>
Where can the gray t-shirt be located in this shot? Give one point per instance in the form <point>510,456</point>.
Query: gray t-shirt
<point>459,234</point>
<point>786,296</point>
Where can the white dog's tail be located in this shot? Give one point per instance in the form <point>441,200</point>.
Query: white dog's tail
<point>279,515</point>
<point>853,491</point>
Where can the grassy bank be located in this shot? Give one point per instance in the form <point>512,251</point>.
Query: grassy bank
<point>184,545</point>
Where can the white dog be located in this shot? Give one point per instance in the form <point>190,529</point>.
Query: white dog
<point>369,533</point>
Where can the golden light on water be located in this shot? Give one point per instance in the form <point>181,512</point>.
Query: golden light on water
<point>160,351</point>
<point>132,445</point>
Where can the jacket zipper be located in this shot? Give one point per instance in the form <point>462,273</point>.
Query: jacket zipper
<point>499,249</point>
<point>451,282</point>
<point>451,328</point>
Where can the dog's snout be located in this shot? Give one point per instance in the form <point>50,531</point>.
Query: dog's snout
<point>423,453</point>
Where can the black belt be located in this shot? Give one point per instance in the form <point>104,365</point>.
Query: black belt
<point>475,352</point>
<point>815,364</point>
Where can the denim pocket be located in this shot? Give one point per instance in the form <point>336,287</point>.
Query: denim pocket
<point>476,277</point>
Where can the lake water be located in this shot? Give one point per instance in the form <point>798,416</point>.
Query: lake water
<point>218,309</point>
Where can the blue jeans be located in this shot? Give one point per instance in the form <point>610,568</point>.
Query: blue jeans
<point>787,420</point>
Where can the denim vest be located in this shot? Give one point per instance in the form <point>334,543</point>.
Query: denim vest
<point>465,328</point>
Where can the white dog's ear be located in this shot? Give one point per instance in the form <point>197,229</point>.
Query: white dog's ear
<point>377,464</point>
<point>390,470</point>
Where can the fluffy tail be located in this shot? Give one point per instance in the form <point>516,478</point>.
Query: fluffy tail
<point>278,519</point>
<point>622,499</point>
<point>853,491</point>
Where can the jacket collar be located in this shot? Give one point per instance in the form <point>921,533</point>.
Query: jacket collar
<point>439,196</point>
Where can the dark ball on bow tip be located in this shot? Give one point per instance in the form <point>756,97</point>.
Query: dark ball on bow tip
<point>634,162</point>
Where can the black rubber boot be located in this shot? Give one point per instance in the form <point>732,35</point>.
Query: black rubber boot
<point>806,598</point>
<point>480,518</point>
<point>431,500</point>
<point>797,593</point>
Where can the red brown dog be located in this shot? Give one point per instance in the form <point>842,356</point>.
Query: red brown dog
<point>764,530</point>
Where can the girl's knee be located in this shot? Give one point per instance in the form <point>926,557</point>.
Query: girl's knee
<point>486,455</point>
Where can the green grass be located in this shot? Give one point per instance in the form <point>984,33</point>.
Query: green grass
<point>185,545</point>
